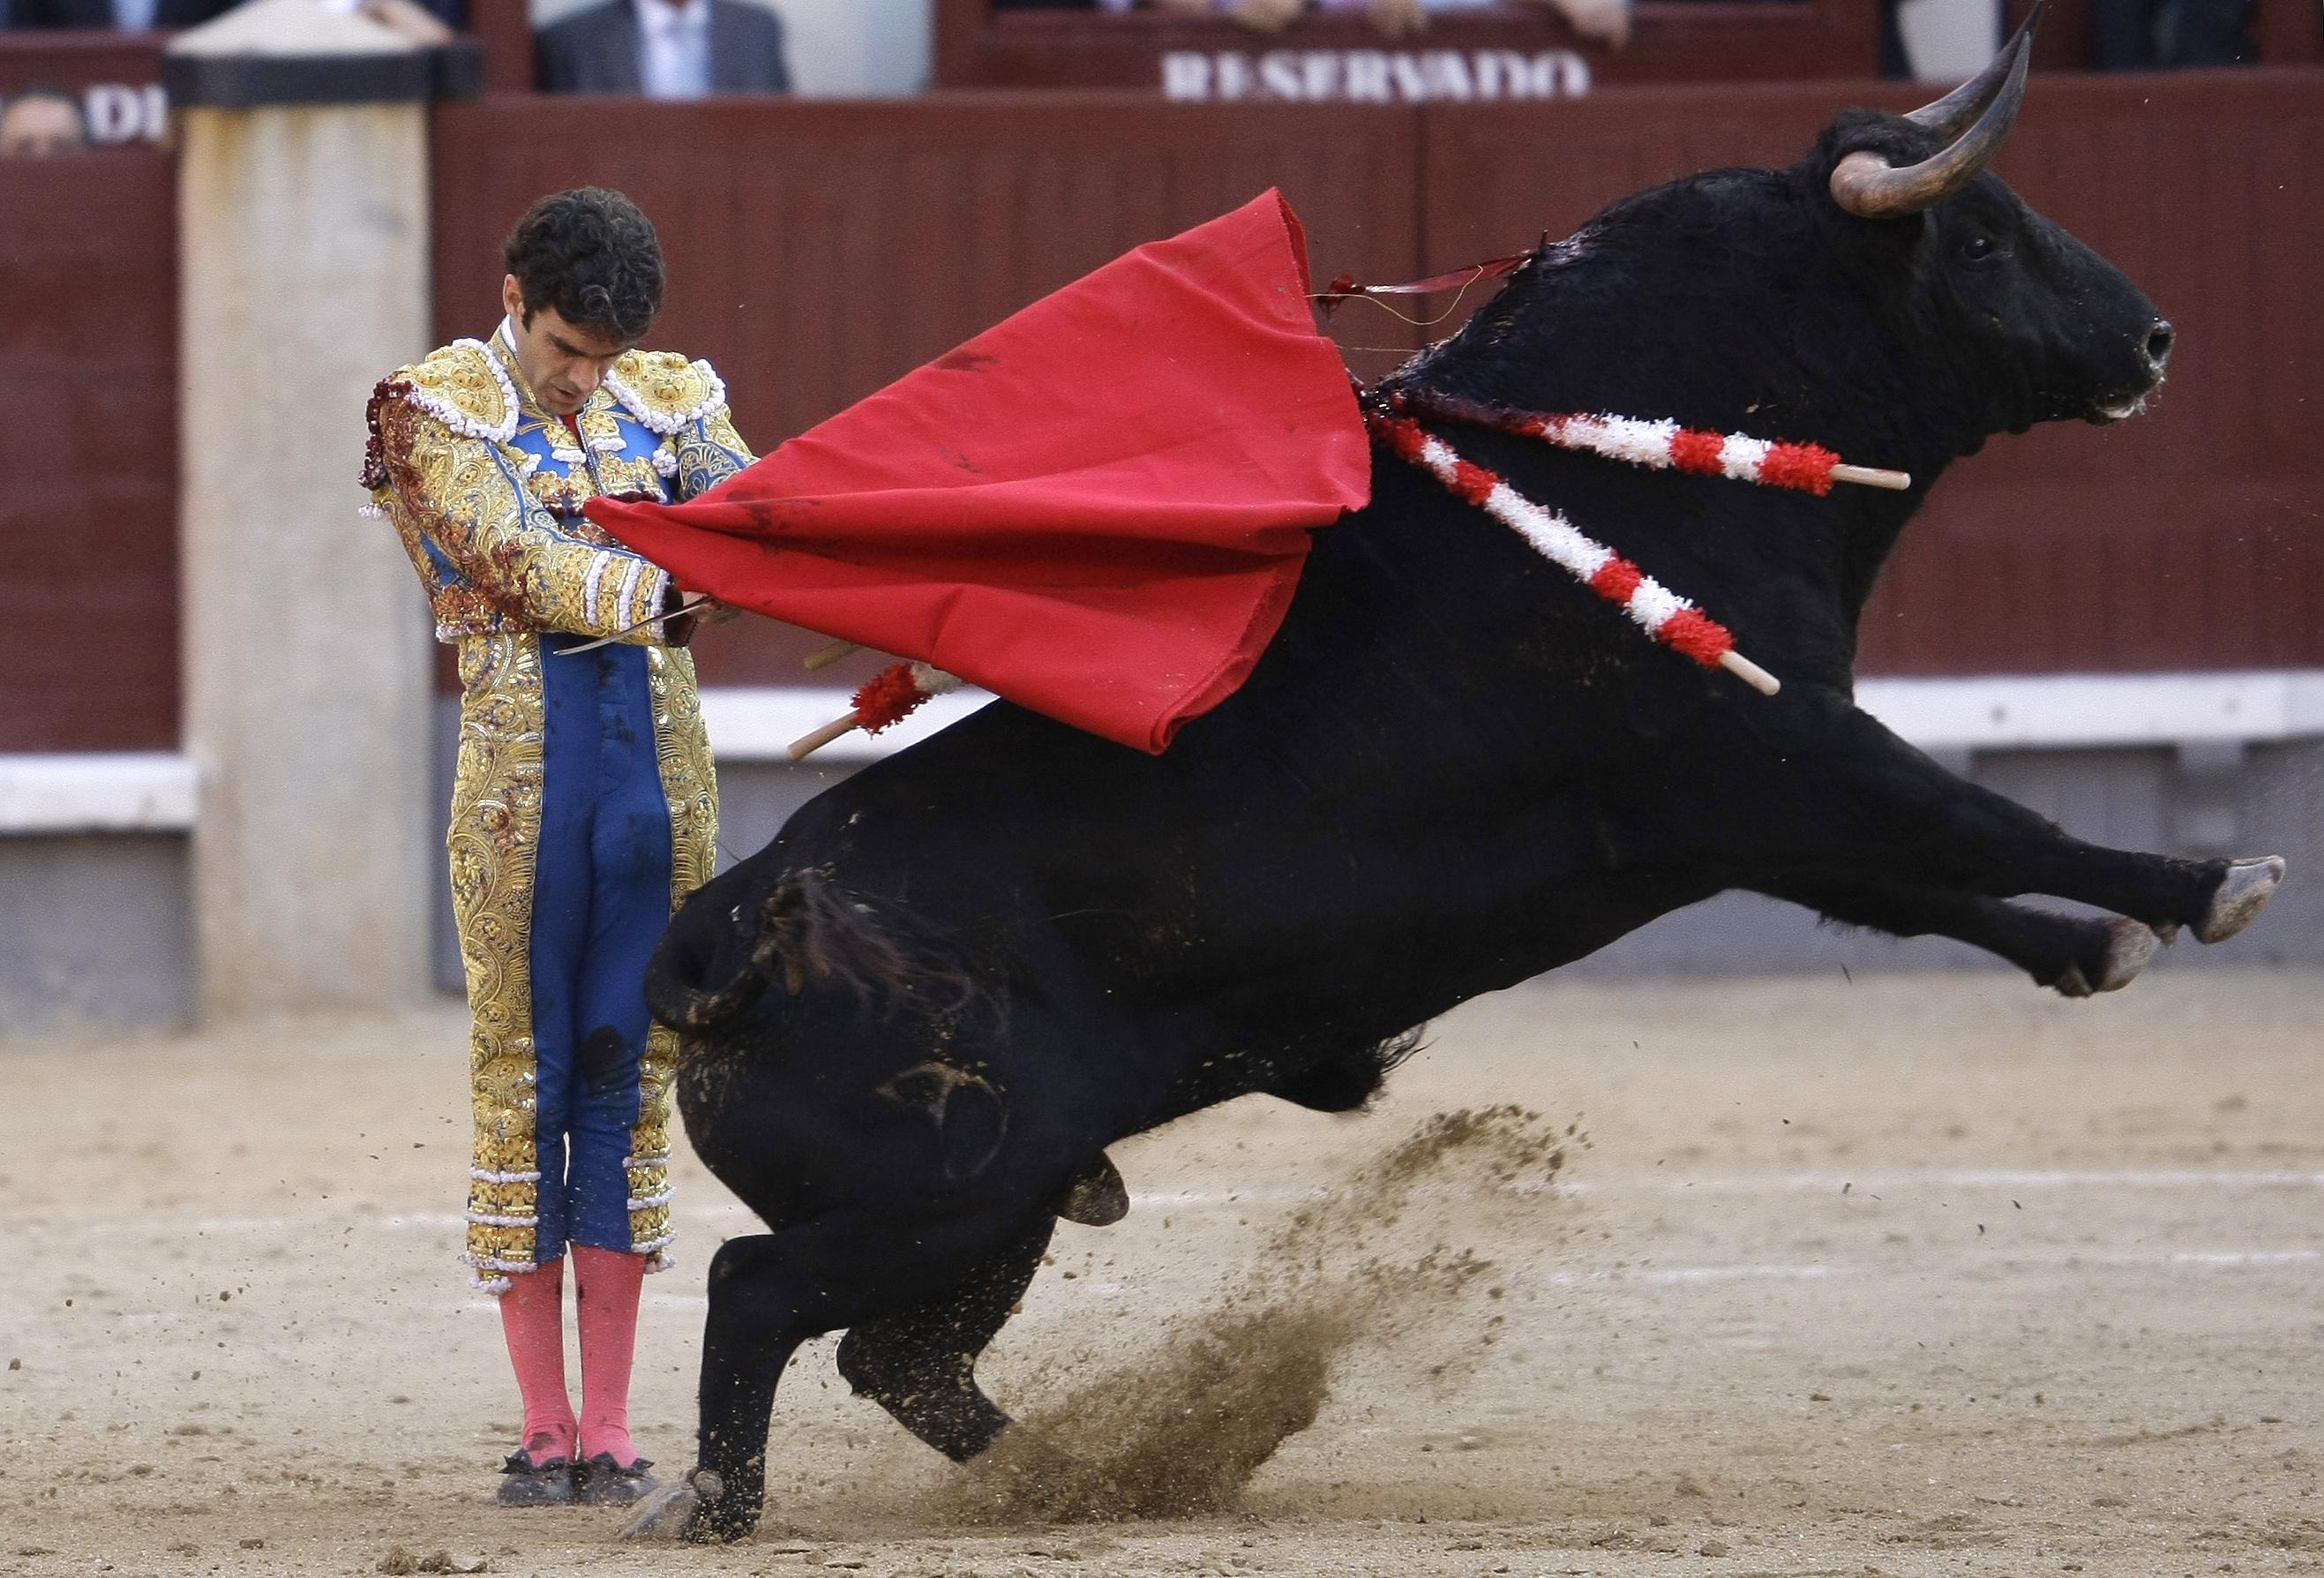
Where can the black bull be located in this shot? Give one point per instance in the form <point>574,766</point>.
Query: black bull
<point>915,1020</point>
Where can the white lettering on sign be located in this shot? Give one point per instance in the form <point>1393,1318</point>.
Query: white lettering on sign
<point>1373,75</point>
<point>120,112</point>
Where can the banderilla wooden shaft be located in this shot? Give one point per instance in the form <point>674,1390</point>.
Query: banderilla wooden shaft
<point>1872,476</point>
<point>826,657</point>
<point>807,745</point>
<point>1742,668</point>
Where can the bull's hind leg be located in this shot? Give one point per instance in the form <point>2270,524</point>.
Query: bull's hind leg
<point>921,1365</point>
<point>2074,955</point>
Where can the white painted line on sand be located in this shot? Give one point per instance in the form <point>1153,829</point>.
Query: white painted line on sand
<point>170,1224</point>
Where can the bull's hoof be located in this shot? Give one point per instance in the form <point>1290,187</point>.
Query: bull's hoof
<point>2241,895</point>
<point>674,1512</point>
<point>1097,1197</point>
<point>2129,945</point>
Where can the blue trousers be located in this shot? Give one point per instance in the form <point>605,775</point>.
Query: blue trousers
<point>601,899</point>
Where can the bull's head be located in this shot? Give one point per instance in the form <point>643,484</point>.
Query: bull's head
<point>1887,295</point>
<point>2045,327</point>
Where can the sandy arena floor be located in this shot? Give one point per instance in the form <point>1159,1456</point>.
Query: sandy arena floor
<point>1911,1276</point>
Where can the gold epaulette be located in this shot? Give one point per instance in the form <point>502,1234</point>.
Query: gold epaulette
<point>463,385</point>
<point>663,390</point>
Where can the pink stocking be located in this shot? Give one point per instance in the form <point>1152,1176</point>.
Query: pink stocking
<point>605,1284</point>
<point>532,1317</point>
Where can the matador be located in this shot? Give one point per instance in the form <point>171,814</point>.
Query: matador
<point>583,805</point>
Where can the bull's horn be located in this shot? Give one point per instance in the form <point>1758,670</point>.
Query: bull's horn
<point>1866,185</point>
<point>1957,111</point>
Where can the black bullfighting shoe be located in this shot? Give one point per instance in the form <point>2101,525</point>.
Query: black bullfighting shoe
<point>1097,1197</point>
<point>526,1483</point>
<point>606,1483</point>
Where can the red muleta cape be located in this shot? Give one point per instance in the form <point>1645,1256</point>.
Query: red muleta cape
<point>1098,509</point>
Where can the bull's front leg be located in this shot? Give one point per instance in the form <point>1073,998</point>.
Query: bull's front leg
<point>2074,955</point>
<point>750,1332</point>
<point>1851,797</point>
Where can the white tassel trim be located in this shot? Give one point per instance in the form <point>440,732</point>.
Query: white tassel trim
<point>371,511</point>
<point>664,463</point>
<point>606,443</point>
<point>480,1220</point>
<point>496,1286</point>
<point>630,590</point>
<point>665,423</point>
<point>656,1245</point>
<point>646,1161</point>
<point>487,1263</point>
<point>659,1261</point>
<point>647,1201</point>
<point>590,583</point>
<point>482,1177</point>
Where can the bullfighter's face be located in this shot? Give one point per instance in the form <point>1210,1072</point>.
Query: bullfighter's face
<point>562,362</point>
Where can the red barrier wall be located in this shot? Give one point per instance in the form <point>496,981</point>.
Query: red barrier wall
<point>89,452</point>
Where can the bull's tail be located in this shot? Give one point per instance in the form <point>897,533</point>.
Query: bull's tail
<point>804,930</point>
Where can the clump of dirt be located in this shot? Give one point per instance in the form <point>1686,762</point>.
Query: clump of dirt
<point>1180,1431</point>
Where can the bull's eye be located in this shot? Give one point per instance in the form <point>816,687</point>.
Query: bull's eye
<point>1978,248</point>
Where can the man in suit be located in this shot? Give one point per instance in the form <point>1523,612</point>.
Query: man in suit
<point>665,48</point>
<point>127,15</point>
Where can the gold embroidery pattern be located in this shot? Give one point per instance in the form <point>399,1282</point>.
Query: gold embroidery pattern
<point>719,427</point>
<point>494,845</point>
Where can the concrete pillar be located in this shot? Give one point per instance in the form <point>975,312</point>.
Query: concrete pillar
<point>303,246</point>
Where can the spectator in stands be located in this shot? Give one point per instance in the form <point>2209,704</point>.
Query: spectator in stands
<point>2139,35</point>
<point>42,121</point>
<point>127,15</point>
<point>665,48</point>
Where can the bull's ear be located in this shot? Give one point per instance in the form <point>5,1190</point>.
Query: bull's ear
<point>1867,185</point>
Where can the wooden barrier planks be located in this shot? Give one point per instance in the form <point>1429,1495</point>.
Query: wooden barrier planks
<point>88,451</point>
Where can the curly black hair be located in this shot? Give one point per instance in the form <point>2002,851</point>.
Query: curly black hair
<point>591,255</point>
